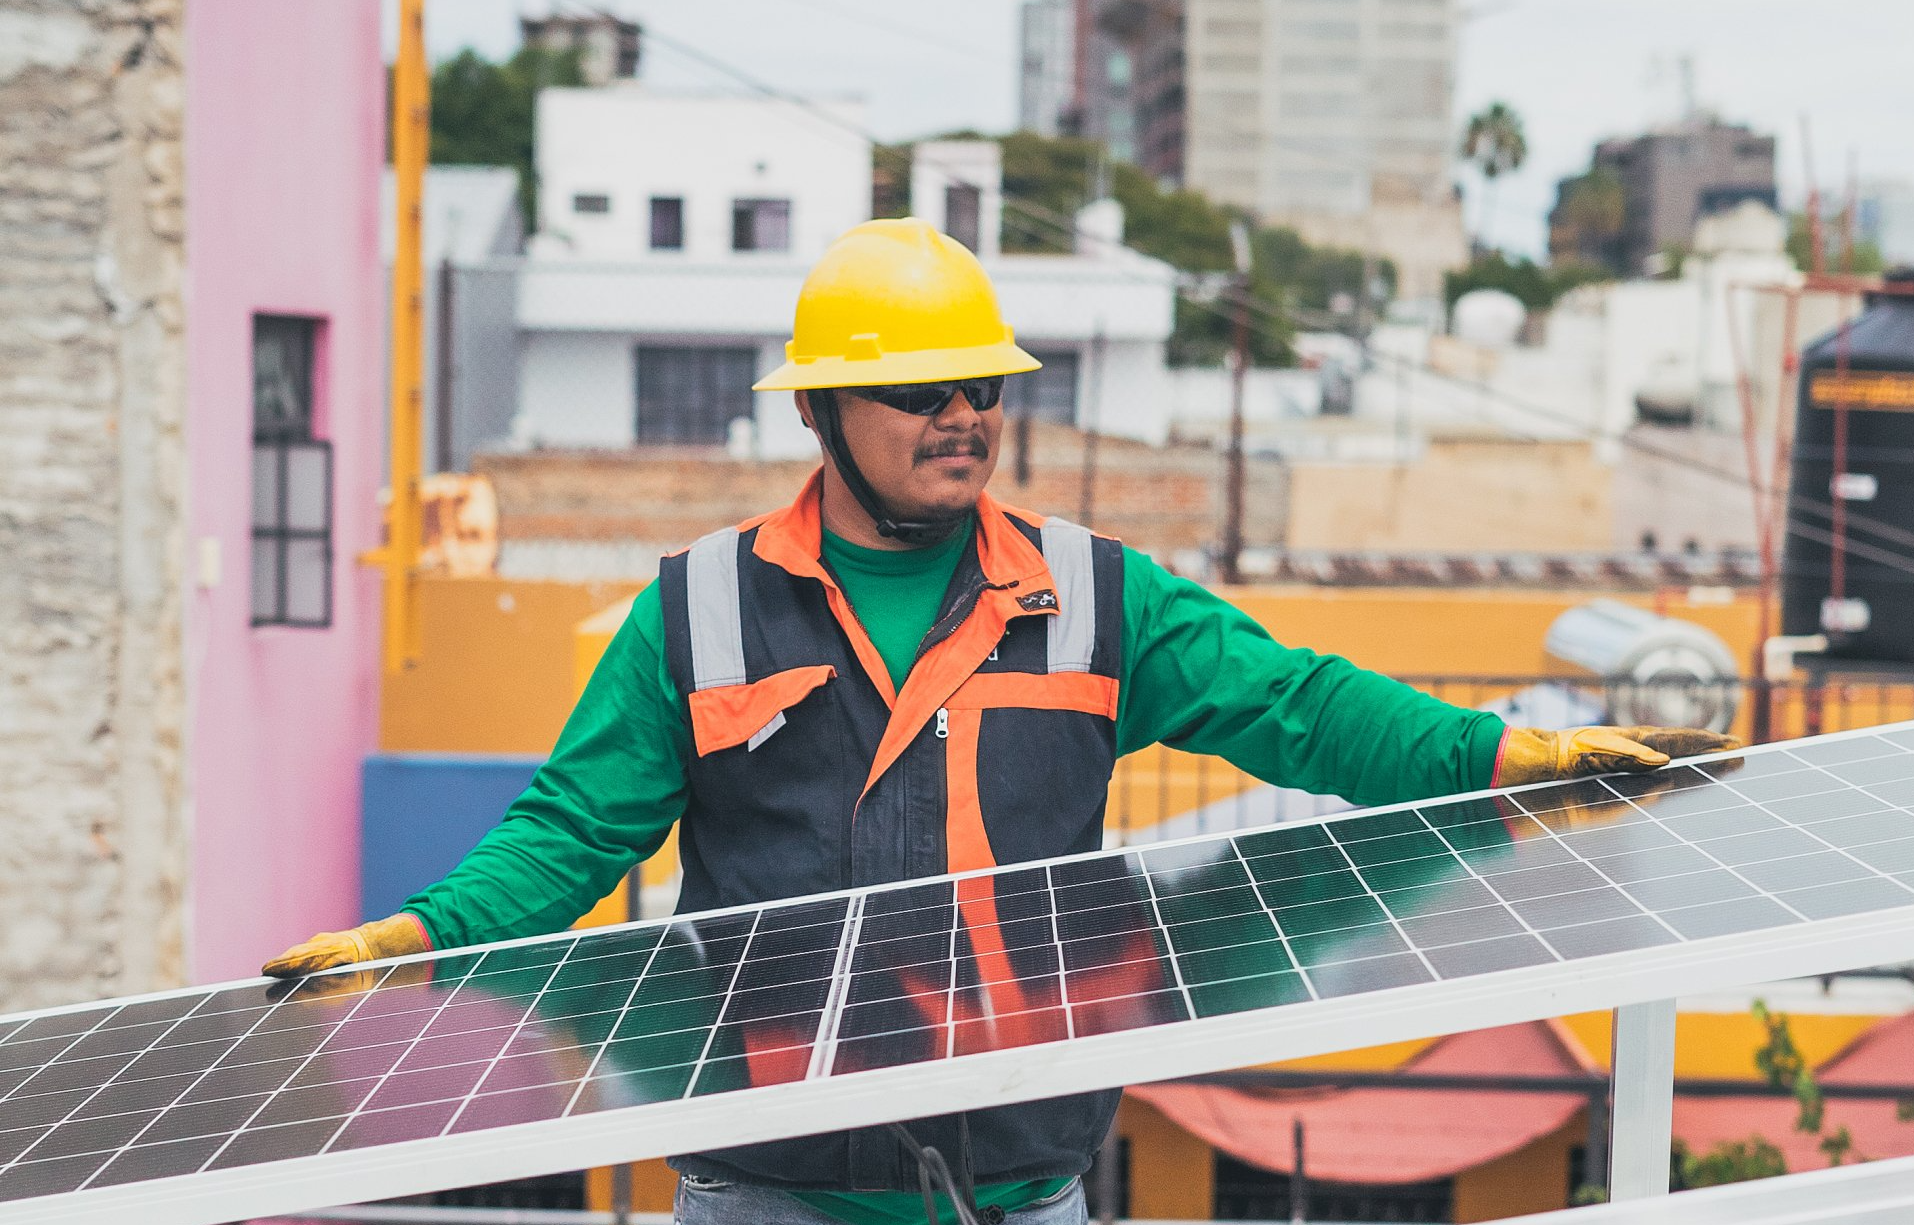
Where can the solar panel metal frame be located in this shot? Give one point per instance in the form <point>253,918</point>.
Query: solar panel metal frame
<point>997,1077</point>
<point>1870,1193</point>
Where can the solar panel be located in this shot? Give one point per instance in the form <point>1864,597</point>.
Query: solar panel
<point>927,997</point>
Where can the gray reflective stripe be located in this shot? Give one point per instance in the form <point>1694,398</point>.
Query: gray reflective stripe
<point>1073,631</point>
<point>711,597</point>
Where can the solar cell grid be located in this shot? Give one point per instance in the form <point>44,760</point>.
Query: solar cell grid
<point>920,973</point>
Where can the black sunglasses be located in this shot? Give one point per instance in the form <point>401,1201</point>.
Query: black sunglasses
<point>929,399</point>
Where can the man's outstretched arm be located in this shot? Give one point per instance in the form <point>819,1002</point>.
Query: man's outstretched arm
<point>603,801</point>
<point>1201,675</point>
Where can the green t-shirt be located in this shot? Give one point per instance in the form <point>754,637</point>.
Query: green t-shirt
<point>1197,674</point>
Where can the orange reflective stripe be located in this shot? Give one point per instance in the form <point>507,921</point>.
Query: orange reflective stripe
<point>977,904</point>
<point>791,539</point>
<point>1084,691</point>
<point>966,845</point>
<point>730,715</point>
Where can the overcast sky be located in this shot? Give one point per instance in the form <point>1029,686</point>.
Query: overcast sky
<point>1576,70</point>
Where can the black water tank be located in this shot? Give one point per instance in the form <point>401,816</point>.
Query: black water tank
<point>1876,621</point>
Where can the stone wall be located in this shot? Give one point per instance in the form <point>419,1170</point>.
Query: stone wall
<point>92,787</point>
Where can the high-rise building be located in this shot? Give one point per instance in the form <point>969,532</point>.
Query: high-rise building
<point>1668,180</point>
<point>1320,107</point>
<point>1046,96</point>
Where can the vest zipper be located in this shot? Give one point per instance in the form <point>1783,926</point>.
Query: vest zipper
<point>943,724</point>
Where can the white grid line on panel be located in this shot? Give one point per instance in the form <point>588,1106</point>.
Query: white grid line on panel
<point>1056,938</point>
<point>504,1046</point>
<point>1808,828</point>
<point>1577,857</point>
<point>26,1155</point>
<point>1256,887</point>
<point>1384,906</point>
<point>1169,949</point>
<point>1493,891</point>
<point>251,1030</point>
<point>824,1049</point>
<point>730,992</point>
<point>611,1033</point>
<point>106,1014</point>
<point>1700,845</point>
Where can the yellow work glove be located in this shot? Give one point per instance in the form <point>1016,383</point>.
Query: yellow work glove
<point>1532,755</point>
<point>390,937</point>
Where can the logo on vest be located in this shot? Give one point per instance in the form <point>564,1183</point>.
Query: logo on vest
<point>1038,599</point>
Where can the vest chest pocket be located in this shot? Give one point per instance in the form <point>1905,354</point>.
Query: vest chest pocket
<point>726,716</point>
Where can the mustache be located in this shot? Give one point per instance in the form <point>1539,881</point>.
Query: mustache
<point>972,445</point>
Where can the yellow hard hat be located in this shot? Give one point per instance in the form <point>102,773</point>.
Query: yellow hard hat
<point>894,301</point>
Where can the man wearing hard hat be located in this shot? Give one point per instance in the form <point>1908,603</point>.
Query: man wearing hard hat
<point>897,676</point>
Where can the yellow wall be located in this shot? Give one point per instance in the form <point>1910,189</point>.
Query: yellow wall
<point>1533,1178</point>
<point>495,675</point>
<point>1172,1176</point>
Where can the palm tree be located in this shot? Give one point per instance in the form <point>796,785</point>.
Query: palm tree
<point>1494,144</point>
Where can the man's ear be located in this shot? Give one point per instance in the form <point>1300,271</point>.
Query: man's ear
<point>803,400</point>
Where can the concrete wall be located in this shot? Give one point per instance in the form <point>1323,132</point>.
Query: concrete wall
<point>285,118</point>
<point>92,400</point>
<point>1491,496</point>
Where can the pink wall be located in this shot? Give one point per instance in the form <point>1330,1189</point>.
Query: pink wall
<point>284,143</point>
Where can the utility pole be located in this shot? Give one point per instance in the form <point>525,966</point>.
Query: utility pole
<point>443,456</point>
<point>1229,564</point>
<point>1092,424</point>
<point>411,136</point>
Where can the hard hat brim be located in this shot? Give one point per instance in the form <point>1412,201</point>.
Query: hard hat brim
<point>918,366</point>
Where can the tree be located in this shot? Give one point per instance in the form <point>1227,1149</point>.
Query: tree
<point>1730,1161</point>
<point>484,113</point>
<point>1536,287</point>
<point>1867,255</point>
<point>1495,144</point>
<point>1586,226</point>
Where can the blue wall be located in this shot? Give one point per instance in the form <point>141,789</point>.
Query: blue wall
<point>422,812</point>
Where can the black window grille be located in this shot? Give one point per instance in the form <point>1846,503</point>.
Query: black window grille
<point>692,394</point>
<point>667,223</point>
<point>760,225</point>
<point>1049,394</point>
<point>1246,1193</point>
<point>292,480</point>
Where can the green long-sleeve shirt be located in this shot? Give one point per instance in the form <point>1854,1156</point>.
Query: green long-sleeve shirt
<point>1197,674</point>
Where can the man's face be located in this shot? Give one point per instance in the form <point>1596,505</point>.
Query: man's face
<point>920,466</point>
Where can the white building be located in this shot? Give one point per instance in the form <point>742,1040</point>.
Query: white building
<point>675,234</point>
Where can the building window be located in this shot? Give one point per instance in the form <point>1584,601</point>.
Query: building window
<point>667,223</point>
<point>591,202</point>
<point>1049,394</point>
<point>692,394</point>
<point>1247,1193</point>
<point>963,213</point>
<point>761,225</point>
<point>292,480</point>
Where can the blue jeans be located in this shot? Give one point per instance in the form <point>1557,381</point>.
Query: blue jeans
<point>702,1202</point>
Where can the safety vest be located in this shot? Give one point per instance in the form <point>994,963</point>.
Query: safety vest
<point>809,773</point>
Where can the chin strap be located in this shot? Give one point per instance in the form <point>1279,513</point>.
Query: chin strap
<point>830,431</point>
